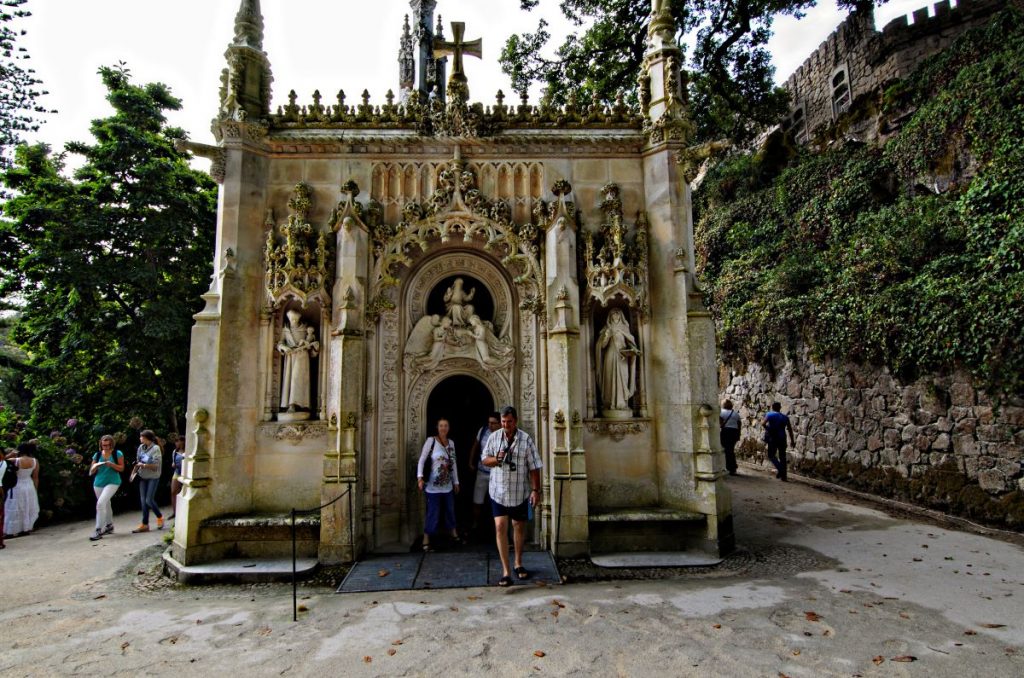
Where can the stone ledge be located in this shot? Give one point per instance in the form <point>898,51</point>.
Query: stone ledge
<point>644,514</point>
<point>262,520</point>
<point>656,559</point>
<point>244,570</point>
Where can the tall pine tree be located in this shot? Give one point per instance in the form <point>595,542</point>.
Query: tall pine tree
<point>109,264</point>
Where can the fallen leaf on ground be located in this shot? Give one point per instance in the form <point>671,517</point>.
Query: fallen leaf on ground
<point>453,608</point>
<point>396,642</point>
<point>100,596</point>
<point>812,616</point>
<point>905,658</point>
<point>124,646</point>
<point>878,660</point>
<point>904,615</point>
<point>391,651</point>
<point>796,653</point>
<point>382,573</point>
<point>367,659</point>
<point>472,597</point>
<point>554,613</point>
<point>716,626</point>
<point>991,626</point>
<point>302,608</point>
<point>969,632</point>
<point>539,653</point>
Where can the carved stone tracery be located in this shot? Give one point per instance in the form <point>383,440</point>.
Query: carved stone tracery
<point>616,267</point>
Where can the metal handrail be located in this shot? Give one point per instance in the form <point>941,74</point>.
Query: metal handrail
<point>351,536</point>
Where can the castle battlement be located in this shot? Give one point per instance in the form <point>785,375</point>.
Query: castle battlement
<point>857,58</point>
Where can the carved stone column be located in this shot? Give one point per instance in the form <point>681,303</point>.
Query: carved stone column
<point>340,540</point>
<point>570,533</point>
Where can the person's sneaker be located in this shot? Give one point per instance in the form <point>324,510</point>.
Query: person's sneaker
<point>159,523</point>
<point>109,529</point>
<point>141,528</point>
<point>96,536</point>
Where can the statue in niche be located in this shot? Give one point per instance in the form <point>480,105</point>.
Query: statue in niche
<point>616,355</point>
<point>434,338</point>
<point>455,301</point>
<point>298,344</point>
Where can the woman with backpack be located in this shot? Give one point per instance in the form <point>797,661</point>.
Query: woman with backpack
<point>107,466</point>
<point>438,477</point>
<point>21,506</point>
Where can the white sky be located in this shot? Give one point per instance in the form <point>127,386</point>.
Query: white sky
<point>325,44</point>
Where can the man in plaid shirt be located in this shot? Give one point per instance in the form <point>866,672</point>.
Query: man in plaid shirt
<point>515,467</point>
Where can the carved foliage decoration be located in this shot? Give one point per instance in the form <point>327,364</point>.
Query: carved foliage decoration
<point>297,256</point>
<point>616,266</point>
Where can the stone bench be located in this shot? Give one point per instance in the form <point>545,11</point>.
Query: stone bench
<point>645,528</point>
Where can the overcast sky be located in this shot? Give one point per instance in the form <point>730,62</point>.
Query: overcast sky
<point>312,44</point>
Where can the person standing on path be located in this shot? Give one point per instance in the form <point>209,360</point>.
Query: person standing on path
<point>483,474</point>
<point>730,435</point>
<point>441,483</point>
<point>149,458</point>
<point>3,498</point>
<point>107,466</point>
<point>177,458</point>
<point>21,506</point>
<point>515,488</point>
<point>776,425</point>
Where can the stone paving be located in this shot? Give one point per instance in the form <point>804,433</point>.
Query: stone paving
<point>819,587</point>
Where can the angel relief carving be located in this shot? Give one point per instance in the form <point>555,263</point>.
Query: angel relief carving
<point>461,333</point>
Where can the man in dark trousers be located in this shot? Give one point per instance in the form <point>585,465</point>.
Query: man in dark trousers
<point>776,425</point>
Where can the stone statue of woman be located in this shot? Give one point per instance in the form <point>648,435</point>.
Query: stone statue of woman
<point>298,344</point>
<point>616,353</point>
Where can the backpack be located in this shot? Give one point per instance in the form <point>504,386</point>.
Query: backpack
<point>10,476</point>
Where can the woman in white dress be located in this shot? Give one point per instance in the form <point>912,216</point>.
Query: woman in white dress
<point>21,508</point>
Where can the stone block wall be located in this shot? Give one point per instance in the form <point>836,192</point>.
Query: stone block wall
<point>845,412</point>
<point>870,58</point>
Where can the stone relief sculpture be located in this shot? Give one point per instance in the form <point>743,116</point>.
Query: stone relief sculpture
<point>615,357</point>
<point>461,333</point>
<point>455,299</point>
<point>298,344</point>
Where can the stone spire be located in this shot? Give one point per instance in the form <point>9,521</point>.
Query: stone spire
<point>245,82</point>
<point>662,90</point>
<point>426,71</point>
<point>249,25</point>
<point>406,62</point>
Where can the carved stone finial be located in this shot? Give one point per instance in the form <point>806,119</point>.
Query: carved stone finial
<point>249,25</point>
<point>561,188</point>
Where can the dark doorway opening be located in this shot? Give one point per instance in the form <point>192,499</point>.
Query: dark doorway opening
<point>466,403</point>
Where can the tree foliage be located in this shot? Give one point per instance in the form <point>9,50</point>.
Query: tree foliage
<point>731,88</point>
<point>19,91</point>
<point>840,251</point>
<point>110,264</point>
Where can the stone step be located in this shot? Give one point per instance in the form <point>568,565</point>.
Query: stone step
<point>656,559</point>
<point>644,514</point>
<point>259,536</point>
<point>239,570</point>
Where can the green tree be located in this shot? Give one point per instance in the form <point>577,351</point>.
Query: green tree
<point>18,83</point>
<point>730,84</point>
<point>110,264</point>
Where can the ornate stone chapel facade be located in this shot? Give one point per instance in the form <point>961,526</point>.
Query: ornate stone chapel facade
<point>379,266</point>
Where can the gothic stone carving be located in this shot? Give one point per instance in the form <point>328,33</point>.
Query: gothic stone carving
<point>616,430</point>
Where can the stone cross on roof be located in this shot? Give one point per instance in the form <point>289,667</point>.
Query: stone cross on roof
<point>457,48</point>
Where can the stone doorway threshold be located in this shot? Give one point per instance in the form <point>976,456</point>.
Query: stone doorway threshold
<point>442,570</point>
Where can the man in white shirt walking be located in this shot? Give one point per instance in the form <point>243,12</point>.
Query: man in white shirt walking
<point>515,465</point>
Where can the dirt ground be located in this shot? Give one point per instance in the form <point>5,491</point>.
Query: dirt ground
<point>819,586</point>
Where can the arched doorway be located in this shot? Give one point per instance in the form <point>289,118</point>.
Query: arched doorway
<point>465,402</point>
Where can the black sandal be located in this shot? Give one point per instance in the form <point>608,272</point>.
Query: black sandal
<point>505,581</point>
<point>427,548</point>
<point>522,572</point>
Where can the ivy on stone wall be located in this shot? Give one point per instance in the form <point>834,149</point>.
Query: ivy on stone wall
<point>909,255</point>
